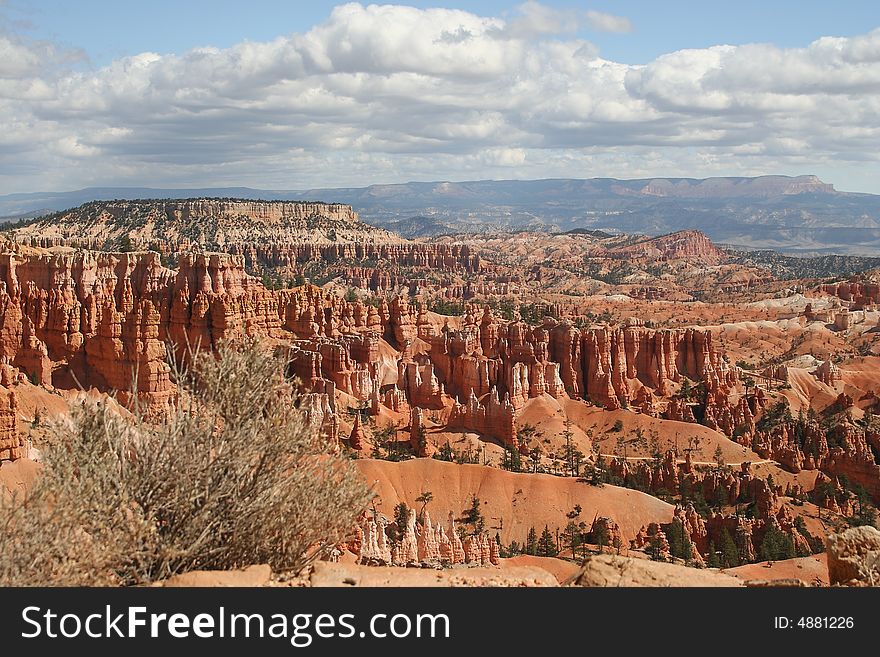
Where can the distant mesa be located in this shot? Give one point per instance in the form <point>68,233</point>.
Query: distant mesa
<point>800,214</point>
<point>761,187</point>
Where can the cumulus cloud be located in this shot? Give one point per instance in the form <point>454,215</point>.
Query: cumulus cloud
<point>387,93</point>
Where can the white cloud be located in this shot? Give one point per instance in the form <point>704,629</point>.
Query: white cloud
<point>537,19</point>
<point>608,22</point>
<point>388,93</point>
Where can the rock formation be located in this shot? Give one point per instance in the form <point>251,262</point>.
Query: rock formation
<point>827,372</point>
<point>613,570</point>
<point>356,437</point>
<point>422,542</point>
<point>611,367</point>
<point>854,557</point>
<point>11,442</point>
<point>860,293</point>
<point>843,449</point>
<point>685,244</point>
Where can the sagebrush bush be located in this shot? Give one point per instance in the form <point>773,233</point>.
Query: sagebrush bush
<point>233,477</point>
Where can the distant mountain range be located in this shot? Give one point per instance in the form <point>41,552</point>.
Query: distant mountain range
<point>799,215</point>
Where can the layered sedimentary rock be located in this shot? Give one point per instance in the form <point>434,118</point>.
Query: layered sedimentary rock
<point>319,409</point>
<point>609,366</point>
<point>494,418</point>
<point>608,530</point>
<point>653,539</point>
<point>105,320</point>
<point>356,437</point>
<point>670,476</point>
<point>728,418</point>
<point>96,317</point>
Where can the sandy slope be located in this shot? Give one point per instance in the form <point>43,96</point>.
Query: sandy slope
<point>807,569</point>
<point>510,502</point>
<point>17,476</point>
<point>669,434</point>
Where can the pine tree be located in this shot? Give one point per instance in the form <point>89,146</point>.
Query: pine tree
<point>401,515</point>
<point>446,453</point>
<point>473,516</point>
<point>512,460</point>
<point>425,498</point>
<point>714,561</point>
<point>866,513</point>
<point>572,537</point>
<point>600,535</point>
<point>686,390</point>
<point>729,551</point>
<point>531,546</point>
<point>571,454</point>
<point>546,544</point>
<point>680,545</point>
<point>776,545</point>
<point>655,548</point>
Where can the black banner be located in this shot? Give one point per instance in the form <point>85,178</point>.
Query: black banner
<point>399,621</point>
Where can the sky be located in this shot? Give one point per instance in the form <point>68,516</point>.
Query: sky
<point>298,95</point>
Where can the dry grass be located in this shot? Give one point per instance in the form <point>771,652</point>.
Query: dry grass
<point>233,477</point>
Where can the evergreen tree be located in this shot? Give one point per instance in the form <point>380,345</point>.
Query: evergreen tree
<point>512,460</point>
<point>473,516</point>
<point>713,561</point>
<point>572,456</point>
<point>866,513</point>
<point>776,545</point>
<point>446,453</point>
<point>535,457</point>
<point>572,537</point>
<point>425,498</point>
<point>680,545</point>
<point>546,544</point>
<point>729,551</point>
<point>531,546</point>
<point>686,390</point>
<point>655,548</point>
<point>600,535</point>
<point>396,531</point>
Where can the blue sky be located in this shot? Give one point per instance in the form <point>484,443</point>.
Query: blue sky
<point>293,95</point>
<point>107,29</point>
